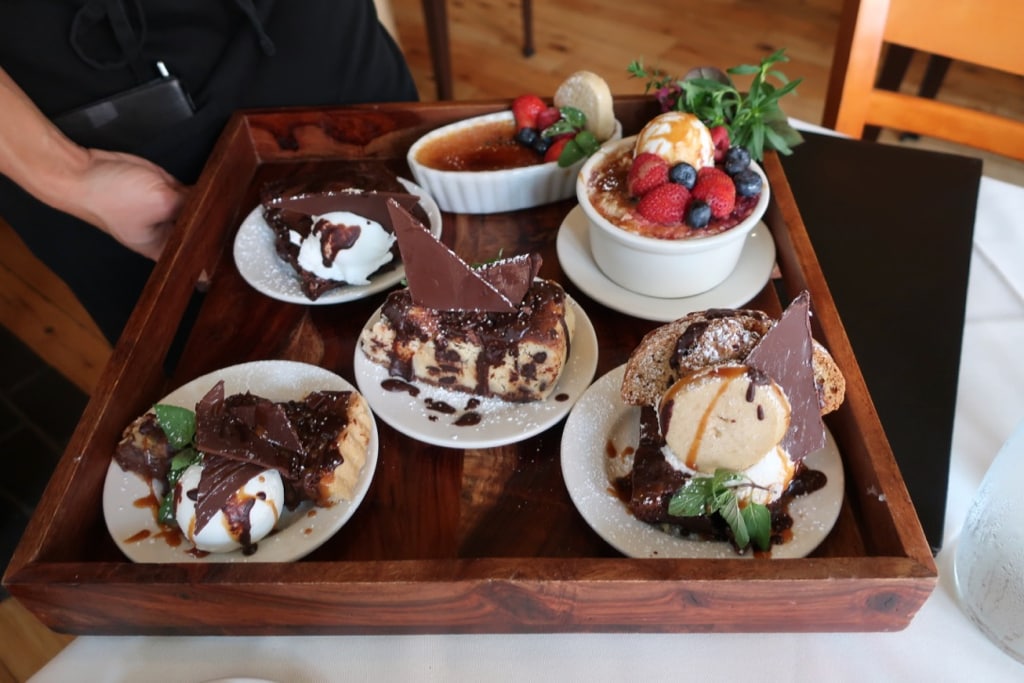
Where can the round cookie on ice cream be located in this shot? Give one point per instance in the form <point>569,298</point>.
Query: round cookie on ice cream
<point>589,93</point>
<point>677,137</point>
<point>723,416</point>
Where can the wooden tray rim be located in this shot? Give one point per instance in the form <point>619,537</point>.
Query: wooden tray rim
<point>44,585</point>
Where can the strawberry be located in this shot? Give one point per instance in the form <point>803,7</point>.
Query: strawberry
<point>715,187</point>
<point>547,117</point>
<point>647,172</point>
<point>555,150</point>
<point>720,138</point>
<point>665,204</point>
<point>525,109</point>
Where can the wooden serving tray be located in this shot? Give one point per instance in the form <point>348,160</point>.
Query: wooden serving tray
<point>446,540</point>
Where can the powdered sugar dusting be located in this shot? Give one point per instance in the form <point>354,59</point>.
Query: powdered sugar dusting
<point>596,440</point>
<point>500,422</point>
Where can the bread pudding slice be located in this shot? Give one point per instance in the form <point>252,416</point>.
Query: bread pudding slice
<point>515,356</point>
<point>495,330</point>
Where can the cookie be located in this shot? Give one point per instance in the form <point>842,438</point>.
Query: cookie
<point>589,93</point>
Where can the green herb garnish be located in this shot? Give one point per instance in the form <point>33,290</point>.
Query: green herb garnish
<point>179,425</point>
<point>707,495</point>
<point>754,118</point>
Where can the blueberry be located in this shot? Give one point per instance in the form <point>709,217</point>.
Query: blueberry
<point>748,183</point>
<point>698,214</point>
<point>541,144</point>
<point>683,174</point>
<point>526,136</point>
<point>736,159</point>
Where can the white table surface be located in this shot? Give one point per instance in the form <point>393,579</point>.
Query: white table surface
<point>940,644</point>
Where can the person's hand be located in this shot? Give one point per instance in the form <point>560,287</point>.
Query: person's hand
<point>132,199</point>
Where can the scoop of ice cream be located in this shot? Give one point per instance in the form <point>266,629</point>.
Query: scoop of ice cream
<point>723,416</point>
<point>344,247</point>
<point>243,516</point>
<point>677,137</point>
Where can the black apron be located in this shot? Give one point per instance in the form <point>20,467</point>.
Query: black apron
<point>229,54</point>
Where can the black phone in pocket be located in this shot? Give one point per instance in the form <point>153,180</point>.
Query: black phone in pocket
<point>129,118</point>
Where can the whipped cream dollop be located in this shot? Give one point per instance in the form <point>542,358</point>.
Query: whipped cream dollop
<point>344,247</point>
<point>244,515</point>
<point>770,476</point>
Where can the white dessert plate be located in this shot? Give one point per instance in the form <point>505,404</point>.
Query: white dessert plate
<point>600,418</point>
<point>751,273</point>
<point>133,526</point>
<point>258,263</point>
<point>501,422</point>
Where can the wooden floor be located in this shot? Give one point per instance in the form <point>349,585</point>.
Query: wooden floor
<point>599,35</point>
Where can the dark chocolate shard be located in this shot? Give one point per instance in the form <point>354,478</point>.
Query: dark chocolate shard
<point>372,205</point>
<point>785,354</point>
<point>437,277</point>
<point>512,276</point>
<point>220,480</point>
<point>249,430</point>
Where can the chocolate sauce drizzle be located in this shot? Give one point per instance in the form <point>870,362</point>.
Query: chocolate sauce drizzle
<point>650,485</point>
<point>498,335</point>
<point>296,438</point>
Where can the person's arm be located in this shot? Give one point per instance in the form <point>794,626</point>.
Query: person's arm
<point>133,200</point>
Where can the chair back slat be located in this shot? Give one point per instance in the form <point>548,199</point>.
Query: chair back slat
<point>982,32</point>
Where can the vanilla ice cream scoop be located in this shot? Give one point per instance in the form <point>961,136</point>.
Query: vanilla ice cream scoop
<point>224,506</point>
<point>723,416</point>
<point>344,247</point>
<point>677,137</point>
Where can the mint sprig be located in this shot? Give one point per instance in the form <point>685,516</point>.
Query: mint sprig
<point>704,496</point>
<point>754,118</point>
<point>179,425</point>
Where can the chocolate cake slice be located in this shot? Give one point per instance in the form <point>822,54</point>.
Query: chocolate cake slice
<point>294,210</point>
<point>494,331</point>
<point>317,444</point>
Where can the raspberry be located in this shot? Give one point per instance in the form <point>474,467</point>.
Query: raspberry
<point>647,172</point>
<point>720,138</point>
<point>665,204</point>
<point>548,117</point>
<point>716,188</point>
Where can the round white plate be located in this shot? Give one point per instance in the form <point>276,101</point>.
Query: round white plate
<point>752,272</point>
<point>501,422</point>
<point>299,531</point>
<point>600,418</point>
<point>258,262</point>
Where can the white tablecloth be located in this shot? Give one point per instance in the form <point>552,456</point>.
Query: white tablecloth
<point>940,644</point>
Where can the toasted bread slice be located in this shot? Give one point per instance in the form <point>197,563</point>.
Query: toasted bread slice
<point>707,338</point>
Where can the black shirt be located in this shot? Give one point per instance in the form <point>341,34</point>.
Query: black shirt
<point>229,54</point>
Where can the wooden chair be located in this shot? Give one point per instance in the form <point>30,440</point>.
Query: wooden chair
<point>435,14</point>
<point>982,32</point>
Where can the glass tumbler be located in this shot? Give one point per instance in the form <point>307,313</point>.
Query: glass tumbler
<point>989,561</point>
